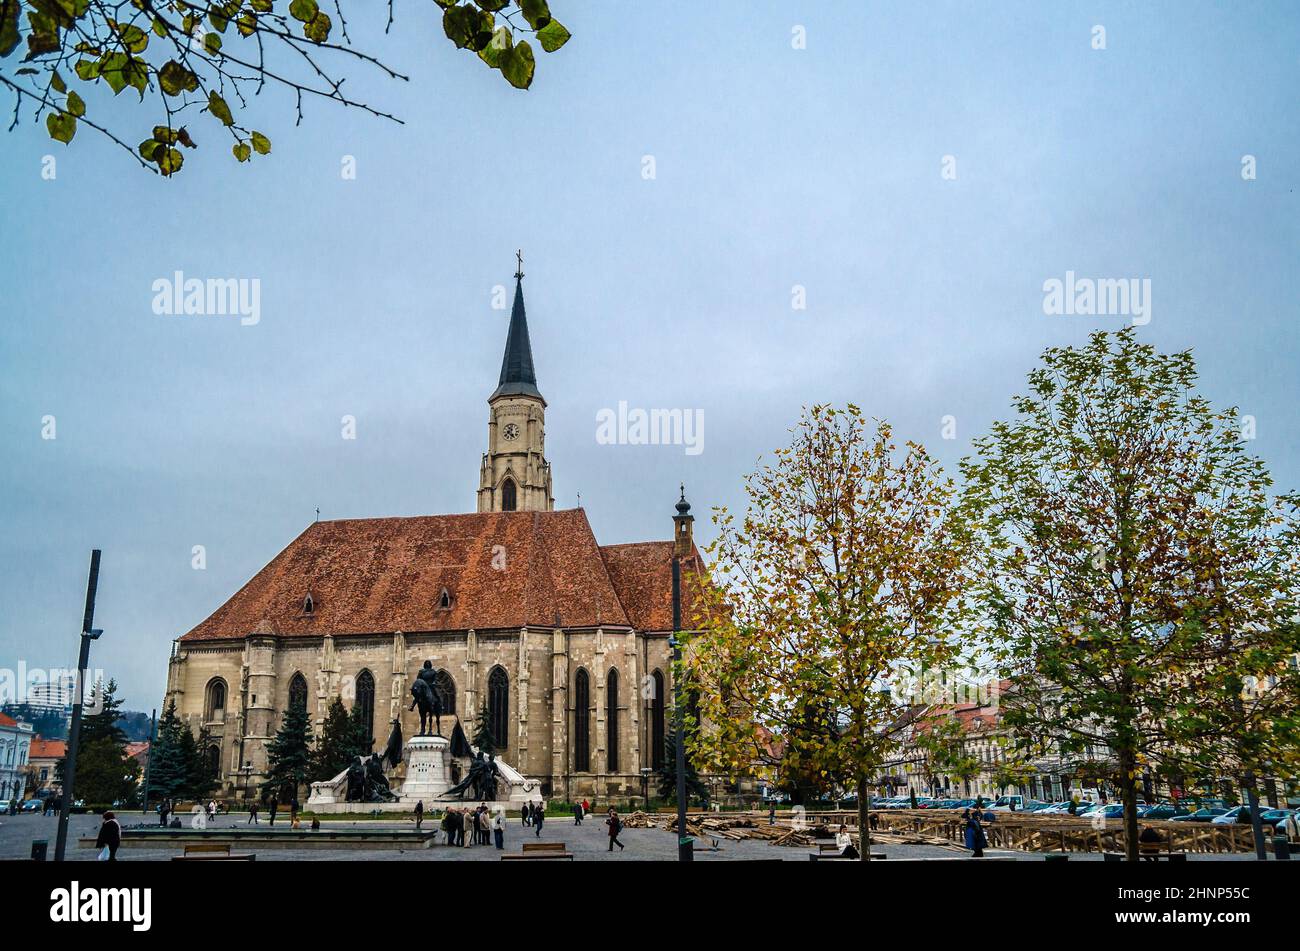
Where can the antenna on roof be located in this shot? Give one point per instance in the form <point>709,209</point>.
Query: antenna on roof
<point>318,513</point>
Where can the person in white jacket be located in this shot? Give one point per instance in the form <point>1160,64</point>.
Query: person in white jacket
<point>499,828</point>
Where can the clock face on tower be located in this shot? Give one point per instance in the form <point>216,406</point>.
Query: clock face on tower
<point>510,432</point>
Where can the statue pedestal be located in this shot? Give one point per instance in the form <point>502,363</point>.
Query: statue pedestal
<point>428,770</point>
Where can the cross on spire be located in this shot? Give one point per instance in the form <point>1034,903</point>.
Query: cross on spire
<point>519,269</point>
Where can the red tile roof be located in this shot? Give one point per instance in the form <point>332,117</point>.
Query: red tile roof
<point>387,574</point>
<point>642,573</point>
<point>47,749</point>
<point>7,721</point>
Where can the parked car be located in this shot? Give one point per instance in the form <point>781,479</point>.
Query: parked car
<point>1200,815</point>
<point>33,805</point>
<point>1241,814</point>
<point>1014,804</point>
<point>1165,810</point>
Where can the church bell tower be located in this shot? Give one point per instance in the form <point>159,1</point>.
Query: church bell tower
<point>515,476</point>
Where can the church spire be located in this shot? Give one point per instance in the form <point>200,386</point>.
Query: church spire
<point>518,378</point>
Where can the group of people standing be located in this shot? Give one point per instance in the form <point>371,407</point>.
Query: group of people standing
<point>483,825</point>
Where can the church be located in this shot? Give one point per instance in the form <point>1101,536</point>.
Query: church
<point>564,642</point>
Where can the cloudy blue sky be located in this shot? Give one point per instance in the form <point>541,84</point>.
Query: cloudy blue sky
<point>774,167</point>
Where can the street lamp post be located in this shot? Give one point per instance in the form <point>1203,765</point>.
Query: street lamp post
<point>685,852</point>
<point>88,634</point>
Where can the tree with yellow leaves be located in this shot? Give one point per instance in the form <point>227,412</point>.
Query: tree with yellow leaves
<point>841,581</point>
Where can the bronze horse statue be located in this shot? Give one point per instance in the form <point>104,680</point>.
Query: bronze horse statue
<point>428,698</point>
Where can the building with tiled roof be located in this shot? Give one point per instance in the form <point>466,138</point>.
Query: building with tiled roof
<point>44,757</point>
<point>519,608</point>
<point>15,741</point>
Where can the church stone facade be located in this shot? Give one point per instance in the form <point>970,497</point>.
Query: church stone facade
<point>562,641</point>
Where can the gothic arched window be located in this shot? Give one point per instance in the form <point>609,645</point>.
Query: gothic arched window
<point>214,761</point>
<point>298,693</point>
<point>446,688</point>
<point>498,706</point>
<point>366,703</point>
<point>214,706</point>
<point>508,495</point>
<point>581,722</point>
<point>657,722</point>
<point>611,722</point>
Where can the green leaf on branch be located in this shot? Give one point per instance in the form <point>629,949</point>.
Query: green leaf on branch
<point>261,144</point>
<point>501,43</point>
<point>468,27</point>
<point>9,35</point>
<point>113,68</point>
<point>169,160</point>
<point>176,79</point>
<point>317,29</point>
<point>517,65</point>
<point>212,43</point>
<point>553,36</point>
<point>303,10</point>
<point>62,127</point>
<point>217,106</point>
<point>536,12</point>
<point>242,151</point>
<point>76,105</point>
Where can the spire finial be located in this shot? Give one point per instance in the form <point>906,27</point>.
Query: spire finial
<point>519,264</point>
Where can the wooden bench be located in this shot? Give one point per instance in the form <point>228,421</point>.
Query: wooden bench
<point>540,850</point>
<point>1160,850</point>
<point>208,852</point>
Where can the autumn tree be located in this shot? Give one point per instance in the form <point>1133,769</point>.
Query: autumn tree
<point>211,56</point>
<point>1138,574</point>
<point>841,579</point>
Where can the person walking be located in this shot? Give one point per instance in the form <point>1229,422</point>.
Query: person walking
<point>252,812</point>
<point>577,813</point>
<point>164,810</point>
<point>419,814</point>
<point>499,829</point>
<point>110,835</point>
<point>293,811</point>
<point>275,805</point>
<point>1292,828</point>
<point>527,813</point>
<point>615,827</point>
<point>771,813</point>
<point>539,816</point>
<point>975,840</point>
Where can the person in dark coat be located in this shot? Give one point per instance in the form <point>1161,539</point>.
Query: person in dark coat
<point>275,805</point>
<point>419,814</point>
<point>975,840</point>
<point>293,811</point>
<point>577,813</point>
<point>110,834</point>
<point>615,827</point>
<point>164,810</point>
<point>527,813</point>
<point>539,816</point>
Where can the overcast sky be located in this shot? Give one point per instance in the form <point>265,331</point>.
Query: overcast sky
<point>773,167</point>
